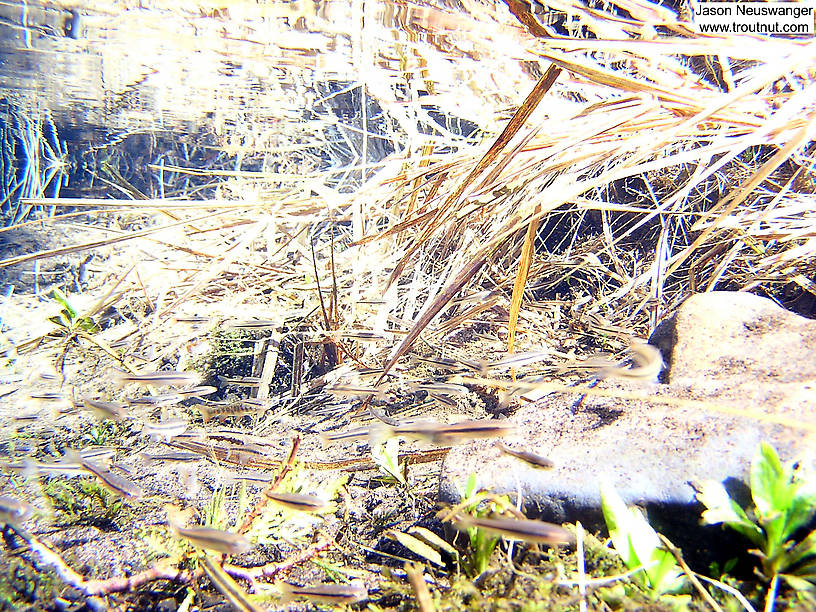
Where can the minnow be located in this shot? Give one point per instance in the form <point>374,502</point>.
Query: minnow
<point>526,456</point>
<point>241,381</point>
<point>13,510</point>
<point>159,379</point>
<point>98,453</point>
<point>113,482</point>
<point>323,593</point>
<point>253,324</point>
<point>222,581</point>
<point>517,360</point>
<point>361,335</point>
<point>173,456</point>
<point>297,501</point>
<point>214,539</point>
<point>351,434</point>
<point>167,399</point>
<point>444,400</point>
<point>165,429</point>
<point>105,410</point>
<point>441,433</point>
<point>29,467</point>
<point>441,362</point>
<point>528,530</point>
<point>48,396</point>
<point>440,387</point>
<point>193,319</point>
<point>229,410</point>
<point>647,363</point>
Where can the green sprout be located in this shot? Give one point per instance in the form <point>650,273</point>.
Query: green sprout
<point>639,546</point>
<point>480,504</point>
<point>386,457</point>
<point>784,501</point>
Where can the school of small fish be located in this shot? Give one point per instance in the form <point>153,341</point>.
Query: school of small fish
<point>98,463</point>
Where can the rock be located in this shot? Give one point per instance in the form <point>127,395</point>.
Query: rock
<point>741,371</point>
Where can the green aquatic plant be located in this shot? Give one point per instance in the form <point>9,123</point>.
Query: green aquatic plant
<point>639,546</point>
<point>385,455</point>
<point>784,502</point>
<point>480,504</point>
<point>83,501</point>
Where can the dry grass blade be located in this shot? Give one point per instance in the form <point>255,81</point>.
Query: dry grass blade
<point>441,300</point>
<point>730,204</point>
<point>518,120</point>
<point>521,281</point>
<point>418,547</point>
<point>417,579</point>
<point>11,261</point>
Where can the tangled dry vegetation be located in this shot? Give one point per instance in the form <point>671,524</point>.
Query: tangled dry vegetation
<point>647,162</point>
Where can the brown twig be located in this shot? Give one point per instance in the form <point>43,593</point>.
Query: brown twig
<point>107,586</point>
<point>262,500</point>
<point>271,570</point>
<point>687,571</point>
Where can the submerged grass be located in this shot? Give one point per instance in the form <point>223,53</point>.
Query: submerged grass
<point>648,163</point>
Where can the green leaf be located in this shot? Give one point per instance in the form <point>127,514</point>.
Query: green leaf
<point>470,486</point>
<point>59,321</point>
<point>806,548</point>
<point>638,544</point>
<point>619,523</point>
<point>797,583</point>
<point>386,456</point>
<point>62,299</point>
<point>770,482</point>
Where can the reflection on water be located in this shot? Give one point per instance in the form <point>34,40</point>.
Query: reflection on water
<point>138,95</point>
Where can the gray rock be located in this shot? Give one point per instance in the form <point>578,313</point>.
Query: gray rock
<point>741,371</point>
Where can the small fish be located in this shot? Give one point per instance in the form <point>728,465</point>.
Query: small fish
<point>29,467</point>
<point>223,411</point>
<point>362,335</point>
<point>241,381</point>
<point>441,433</point>
<point>526,456</point>
<point>165,430</point>
<point>193,319</point>
<point>173,456</point>
<point>159,379</point>
<point>227,586</point>
<point>296,501</point>
<point>441,362</point>
<point>538,532</point>
<point>113,482</point>
<point>353,391</point>
<point>441,387</point>
<point>253,324</point>
<point>97,453</point>
<point>444,400</point>
<point>13,510</point>
<point>214,539</point>
<point>48,396</point>
<point>105,410</point>
<point>323,593</point>
<point>167,399</point>
<point>517,360</point>
<point>647,363</point>
<point>351,434</point>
